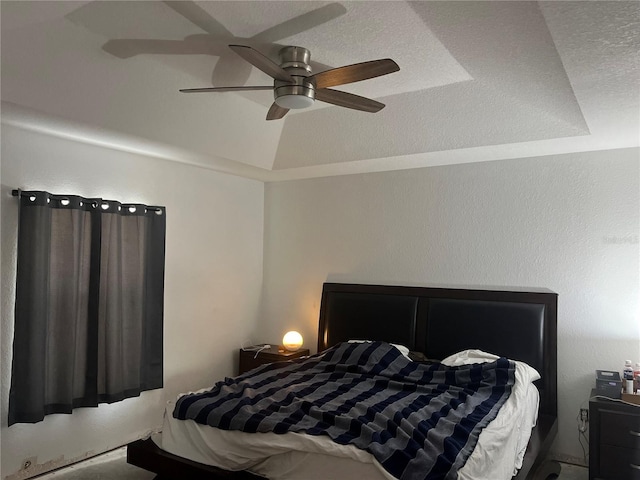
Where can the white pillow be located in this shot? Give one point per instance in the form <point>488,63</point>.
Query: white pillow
<point>403,350</point>
<point>467,357</point>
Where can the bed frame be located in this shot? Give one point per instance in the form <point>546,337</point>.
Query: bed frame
<point>520,325</point>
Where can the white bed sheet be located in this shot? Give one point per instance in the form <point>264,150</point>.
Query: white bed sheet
<point>293,456</point>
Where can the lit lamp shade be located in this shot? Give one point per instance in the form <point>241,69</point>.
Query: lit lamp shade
<point>292,341</point>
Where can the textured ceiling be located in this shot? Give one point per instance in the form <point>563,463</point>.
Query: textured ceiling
<point>478,80</point>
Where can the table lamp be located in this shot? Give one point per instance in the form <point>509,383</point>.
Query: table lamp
<point>292,341</point>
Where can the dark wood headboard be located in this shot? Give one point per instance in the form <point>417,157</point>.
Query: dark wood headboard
<point>442,321</point>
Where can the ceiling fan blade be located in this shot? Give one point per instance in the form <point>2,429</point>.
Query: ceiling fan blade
<point>223,89</point>
<point>276,112</point>
<point>349,100</point>
<point>355,73</point>
<point>301,23</point>
<point>258,60</point>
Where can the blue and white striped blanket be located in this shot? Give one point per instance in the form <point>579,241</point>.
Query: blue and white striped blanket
<point>368,395</point>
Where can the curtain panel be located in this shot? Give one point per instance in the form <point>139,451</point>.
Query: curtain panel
<point>89,303</point>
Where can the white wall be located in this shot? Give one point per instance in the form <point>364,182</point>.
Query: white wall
<point>212,281</point>
<point>568,222</point>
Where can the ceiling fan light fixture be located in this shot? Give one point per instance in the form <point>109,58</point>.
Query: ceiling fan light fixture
<point>294,96</point>
<point>294,101</point>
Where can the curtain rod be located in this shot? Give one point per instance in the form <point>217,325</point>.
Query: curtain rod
<point>17,193</point>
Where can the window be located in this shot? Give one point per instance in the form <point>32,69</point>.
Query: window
<point>89,303</point>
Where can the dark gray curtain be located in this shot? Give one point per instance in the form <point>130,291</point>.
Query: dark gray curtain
<point>89,303</point>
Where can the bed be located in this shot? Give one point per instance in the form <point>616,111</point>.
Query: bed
<point>519,325</point>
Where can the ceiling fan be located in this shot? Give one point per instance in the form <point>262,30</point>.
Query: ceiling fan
<point>295,86</point>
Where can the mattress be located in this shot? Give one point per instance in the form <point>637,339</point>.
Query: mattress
<point>295,456</point>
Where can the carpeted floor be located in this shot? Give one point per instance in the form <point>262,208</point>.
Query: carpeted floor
<point>110,466</point>
<point>114,466</point>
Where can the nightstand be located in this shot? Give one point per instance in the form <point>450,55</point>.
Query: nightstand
<point>614,440</point>
<point>249,359</point>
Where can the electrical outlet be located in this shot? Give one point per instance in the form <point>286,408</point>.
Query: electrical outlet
<point>584,415</point>
<point>28,463</point>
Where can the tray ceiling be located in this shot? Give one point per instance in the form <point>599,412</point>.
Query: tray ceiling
<point>478,81</point>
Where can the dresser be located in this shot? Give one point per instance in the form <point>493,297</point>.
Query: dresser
<point>614,440</point>
<point>250,359</point>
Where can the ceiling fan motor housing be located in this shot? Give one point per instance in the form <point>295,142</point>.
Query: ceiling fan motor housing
<point>301,93</point>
